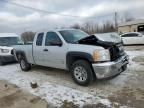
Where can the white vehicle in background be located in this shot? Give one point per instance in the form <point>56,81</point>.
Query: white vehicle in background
<point>7,41</point>
<point>133,38</point>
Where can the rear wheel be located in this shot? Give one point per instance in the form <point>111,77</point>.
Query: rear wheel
<point>82,72</point>
<point>25,66</point>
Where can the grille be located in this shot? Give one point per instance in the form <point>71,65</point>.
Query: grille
<point>116,51</point>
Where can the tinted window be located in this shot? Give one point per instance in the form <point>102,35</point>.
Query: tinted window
<point>8,41</point>
<point>39,39</point>
<point>51,37</point>
<point>125,35</point>
<point>133,34</point>
<point>130,35</point>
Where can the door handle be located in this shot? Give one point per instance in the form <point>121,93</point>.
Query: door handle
<point>45,50</point>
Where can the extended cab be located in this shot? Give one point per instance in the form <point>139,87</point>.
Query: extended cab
<point>86,57</point>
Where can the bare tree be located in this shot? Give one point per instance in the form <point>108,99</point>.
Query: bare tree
<point>92,28</point>
<point>128,17</point>
<point>75,26</point>
<point>28,36</point>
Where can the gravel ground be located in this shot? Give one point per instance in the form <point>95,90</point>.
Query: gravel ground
<point>57,87</point>
<point>13,97</point>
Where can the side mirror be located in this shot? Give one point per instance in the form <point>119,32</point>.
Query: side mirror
<point>56,43</point>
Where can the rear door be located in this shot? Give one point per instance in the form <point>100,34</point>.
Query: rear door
<point>38,49</point>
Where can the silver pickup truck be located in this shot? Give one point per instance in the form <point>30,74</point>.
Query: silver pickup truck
<point>86,57</point>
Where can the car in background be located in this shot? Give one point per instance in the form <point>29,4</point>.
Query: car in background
<point>7,41</point>
<point>133,38</point>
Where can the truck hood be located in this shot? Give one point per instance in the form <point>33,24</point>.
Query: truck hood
<point>100,41</point>
<point>109,37</point>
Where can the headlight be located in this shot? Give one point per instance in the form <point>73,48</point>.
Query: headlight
<point>4,50</point>
<point>101,55</point>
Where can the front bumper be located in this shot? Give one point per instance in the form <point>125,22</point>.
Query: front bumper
<point>8,58</point>
<point>109,69</point>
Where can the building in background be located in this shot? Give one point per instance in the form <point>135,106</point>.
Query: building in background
<point>131,26</point>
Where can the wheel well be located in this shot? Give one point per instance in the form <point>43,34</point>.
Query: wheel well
<point>76,58</point>
<point>19,55</point>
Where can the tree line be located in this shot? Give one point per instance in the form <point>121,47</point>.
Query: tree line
<point>92,28</point>
<point>89,27</point>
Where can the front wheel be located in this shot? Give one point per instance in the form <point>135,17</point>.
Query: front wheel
<point>82,72</point>
<point>25,66</point>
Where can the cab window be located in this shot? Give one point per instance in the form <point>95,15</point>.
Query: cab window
<point>51,38</point>
<point>39,39</point>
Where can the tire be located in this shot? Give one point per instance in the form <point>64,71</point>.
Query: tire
<point>82,73</point>
<point>25,66</point>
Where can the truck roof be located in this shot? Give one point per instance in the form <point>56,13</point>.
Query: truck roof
<point>8,35</point>
<point>57,30</point>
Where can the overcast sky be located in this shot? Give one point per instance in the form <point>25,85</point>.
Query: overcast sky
<point>17,19</point>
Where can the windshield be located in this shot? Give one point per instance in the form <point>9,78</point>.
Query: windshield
<point>72,36</point>
<point>9,41</point>
<point>109,37</point>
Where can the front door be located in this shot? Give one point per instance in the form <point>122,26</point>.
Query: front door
<point>55,51</point>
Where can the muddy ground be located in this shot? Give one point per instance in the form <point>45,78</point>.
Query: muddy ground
<point>13,97</point>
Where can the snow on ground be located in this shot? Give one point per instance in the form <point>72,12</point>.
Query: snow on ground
<point>135,66</point>
<point>132,72</point>
<point>132,66</point>
<point>54,94</point>
<point>57,94</point>
<point>133,54</point>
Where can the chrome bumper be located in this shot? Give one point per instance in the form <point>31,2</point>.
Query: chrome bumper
<point>109,69</point>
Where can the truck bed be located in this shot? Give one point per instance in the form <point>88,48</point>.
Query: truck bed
<point>27,49</point>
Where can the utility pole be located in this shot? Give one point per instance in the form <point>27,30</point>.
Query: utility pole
<point>116,24</point>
